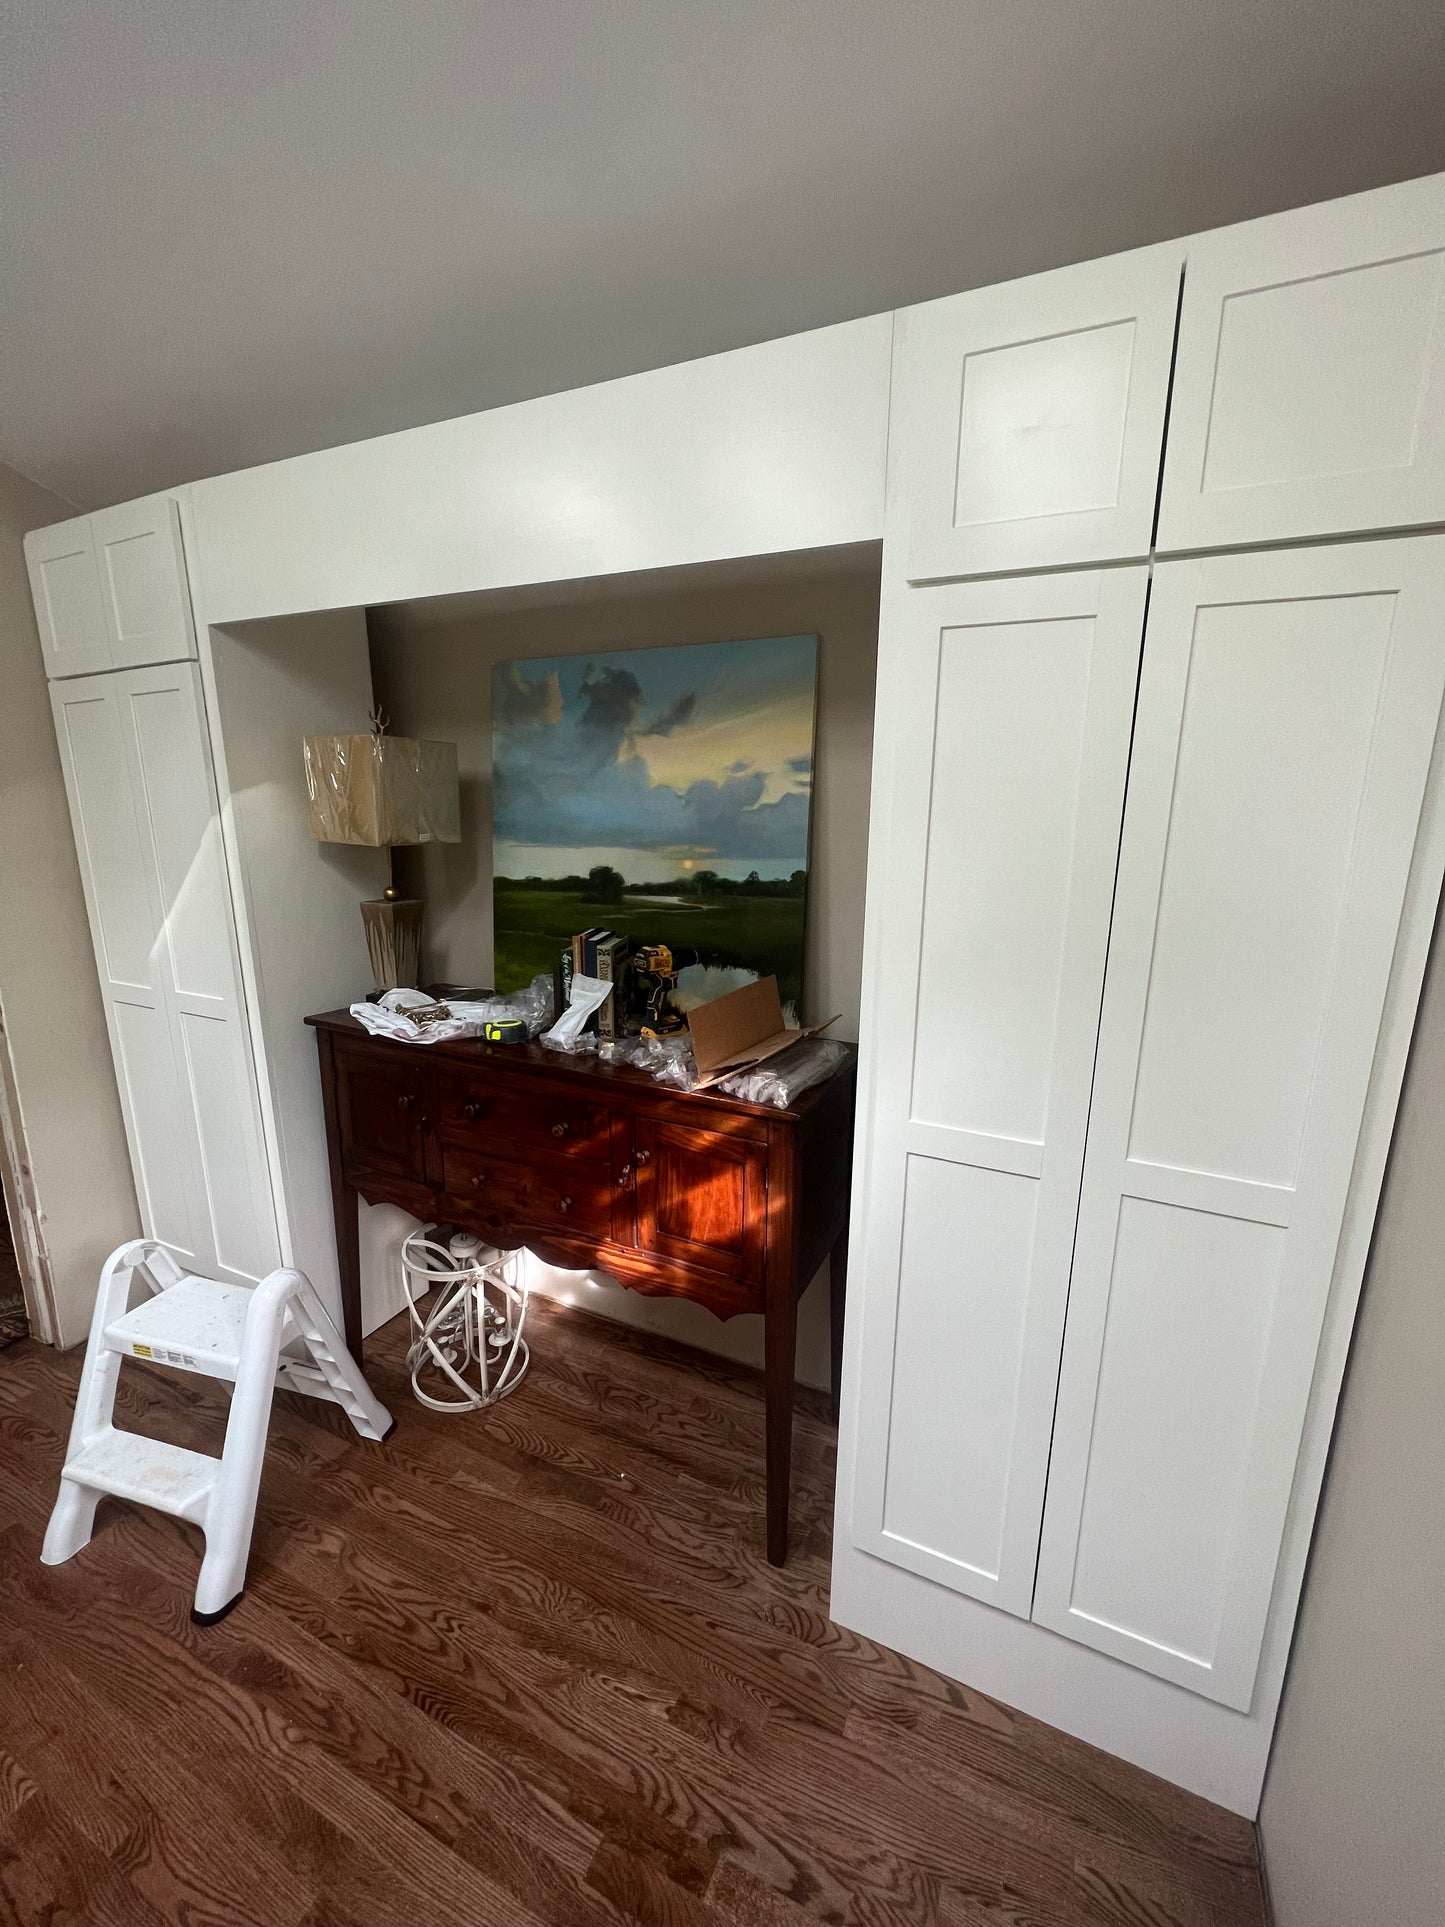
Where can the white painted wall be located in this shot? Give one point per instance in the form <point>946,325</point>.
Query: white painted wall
<point>432,671</point>
<point>79,1179</point>
<point>270,684</point>
<point>773,448</point>
<point>1351,1820</point>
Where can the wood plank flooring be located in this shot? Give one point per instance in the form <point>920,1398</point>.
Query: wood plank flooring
<point>526,1668</point>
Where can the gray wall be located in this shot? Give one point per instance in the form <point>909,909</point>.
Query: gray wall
<point>79,1179</point>
<point>432,668</point>
<point>1353,1820</point>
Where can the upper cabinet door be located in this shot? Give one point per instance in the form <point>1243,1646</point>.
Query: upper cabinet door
<point>1309,394</point>
<point>143,587</point>
<point>1288,709</point>
<point>65,586</point>
<point>1027,420</point>
<point>1004,719</point>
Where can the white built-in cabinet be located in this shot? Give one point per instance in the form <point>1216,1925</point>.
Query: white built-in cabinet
<point>1157,840</point>
<point>135,750</point>
<point>1155,843</point>
<point>110,589</point>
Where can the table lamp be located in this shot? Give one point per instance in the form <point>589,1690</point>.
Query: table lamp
<point>384,791</point>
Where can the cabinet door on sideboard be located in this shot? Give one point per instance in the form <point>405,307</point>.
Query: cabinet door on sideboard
<point>1027,420</point>
<point>1288,708</point>
<point>1004,740</point>
<point>1309,393</point>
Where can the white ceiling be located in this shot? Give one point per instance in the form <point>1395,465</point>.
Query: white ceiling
<point>233,232</point>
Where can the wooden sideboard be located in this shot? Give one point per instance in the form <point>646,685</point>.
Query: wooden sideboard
<point>593,1165</point>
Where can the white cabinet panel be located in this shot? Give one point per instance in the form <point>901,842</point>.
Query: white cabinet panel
<point>1027,420</point>
<point>1309,394</point>
<point>1004,722</point>
<point>1287,715</point>
<point>143,582</point>
<point>137,769</point>
<point>65,586</point>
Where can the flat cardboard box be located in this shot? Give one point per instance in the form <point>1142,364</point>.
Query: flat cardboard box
<point>744,1028</point>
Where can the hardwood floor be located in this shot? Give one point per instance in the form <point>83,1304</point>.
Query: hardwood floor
<point>522,1668</point>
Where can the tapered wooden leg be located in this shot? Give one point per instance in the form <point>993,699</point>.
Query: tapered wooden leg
<point>780,1344</point>
<point>837,1289</point>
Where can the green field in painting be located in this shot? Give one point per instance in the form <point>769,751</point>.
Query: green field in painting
<point>763,933</point>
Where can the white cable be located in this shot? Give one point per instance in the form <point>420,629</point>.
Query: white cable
<point>465,1327</point>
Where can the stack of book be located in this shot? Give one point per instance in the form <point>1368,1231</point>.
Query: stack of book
<point>603,954</point>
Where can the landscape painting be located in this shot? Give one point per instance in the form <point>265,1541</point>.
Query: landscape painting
<point>664,793</point>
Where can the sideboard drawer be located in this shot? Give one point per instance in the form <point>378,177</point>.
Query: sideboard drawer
<point>386,1107</point>
<point>477,1110</point>
<point>562,1195</point>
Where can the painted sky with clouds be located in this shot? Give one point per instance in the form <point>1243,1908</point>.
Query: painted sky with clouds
<point>691,753</point>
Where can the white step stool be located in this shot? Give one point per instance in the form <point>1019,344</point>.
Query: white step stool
<point>258,1337</point>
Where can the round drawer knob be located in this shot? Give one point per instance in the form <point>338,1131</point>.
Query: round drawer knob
<point>479,1180</point>
<point>405,1103</point>
<point>564,1204</point>
<point>471,1108</point>
<point>644,1157</point>
<point>559,1130</point>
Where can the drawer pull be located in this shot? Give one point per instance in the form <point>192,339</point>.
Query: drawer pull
<point>624,1174</point>
<point>644,1157</point>
<point>479,1180</point>
<point>471,1108</point>
<point>564,1204</point>
<point>405,1102</point>
<point>559,1130</point>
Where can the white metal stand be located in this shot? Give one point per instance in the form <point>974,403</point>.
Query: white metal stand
<point>256,1337</point>
<point>474,1323</point>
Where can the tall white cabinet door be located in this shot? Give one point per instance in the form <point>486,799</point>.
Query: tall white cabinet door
<point>1309,394</point>
<point>1027,420</point>
<point>1288,709</point>
<point>198,966</point>
<point>91,724</point>
<point>65,587</point>
<point>138,773</point>
<point>1006,713</point>
<point>145,596</point>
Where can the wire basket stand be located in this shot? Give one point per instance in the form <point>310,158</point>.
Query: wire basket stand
<point>472,1333</point>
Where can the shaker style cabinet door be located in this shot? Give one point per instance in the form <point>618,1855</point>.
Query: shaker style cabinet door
<point>65,586</point>
<point>1003,744</point>
<point>1309,392</point>
<point>1027,420</point>
<point>143,586</point>
<point>1288,708</point>
<point>137,767</point>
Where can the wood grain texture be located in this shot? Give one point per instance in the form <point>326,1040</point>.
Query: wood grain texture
<point>529,1668</point>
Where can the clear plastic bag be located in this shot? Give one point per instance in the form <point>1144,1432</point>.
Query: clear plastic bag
<point>777,1082</point>
<point>785,1077</point>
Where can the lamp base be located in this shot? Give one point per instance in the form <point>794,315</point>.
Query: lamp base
<point>393,938</point>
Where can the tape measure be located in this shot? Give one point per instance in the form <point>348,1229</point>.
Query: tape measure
<point>505,1030</point>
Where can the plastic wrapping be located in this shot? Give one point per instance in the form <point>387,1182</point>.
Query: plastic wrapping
<point>382,790</point>
<point>778,1082</point>
<point>442,1023</point>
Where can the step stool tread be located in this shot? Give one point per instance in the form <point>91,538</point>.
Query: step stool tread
<point>148,1471</point>
<point>196,1324</point>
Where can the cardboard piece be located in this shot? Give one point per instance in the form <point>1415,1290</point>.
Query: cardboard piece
<point>735,1032</point>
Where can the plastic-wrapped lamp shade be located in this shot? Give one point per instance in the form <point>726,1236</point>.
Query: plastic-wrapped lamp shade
<point>382,790</point>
